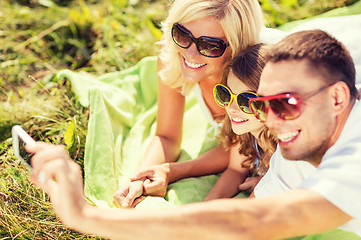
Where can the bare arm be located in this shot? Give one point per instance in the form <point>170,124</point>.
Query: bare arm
<point>295,213</point>
<point>291,213</point>
<point>165,145</point>
<point>158,177</point>
<point>233,176</point>
<point>212,162</point>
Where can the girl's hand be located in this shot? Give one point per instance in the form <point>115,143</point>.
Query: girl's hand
<point>249,184</point>
<point>130,195</point>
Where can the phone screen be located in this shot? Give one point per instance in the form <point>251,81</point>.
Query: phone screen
<point>20,139</point>
<point>23,153</point>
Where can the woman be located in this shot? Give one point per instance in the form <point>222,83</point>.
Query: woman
<point>201,37</point>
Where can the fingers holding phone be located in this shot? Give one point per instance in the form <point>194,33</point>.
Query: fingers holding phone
<point>53,171</point>
<point>51,163</point>
<point>42,159</point>
<point>22,142</point>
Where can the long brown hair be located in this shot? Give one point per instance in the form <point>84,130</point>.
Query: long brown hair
<point>247,67</point>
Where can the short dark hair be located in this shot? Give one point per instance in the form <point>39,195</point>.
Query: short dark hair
<point>325,54</point>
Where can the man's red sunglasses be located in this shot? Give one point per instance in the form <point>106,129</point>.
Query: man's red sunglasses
<point>285,105</point>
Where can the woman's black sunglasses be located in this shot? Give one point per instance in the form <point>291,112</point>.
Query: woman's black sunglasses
<point>206,46</point>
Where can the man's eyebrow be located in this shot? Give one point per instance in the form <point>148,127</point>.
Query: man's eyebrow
<point>288,92</point>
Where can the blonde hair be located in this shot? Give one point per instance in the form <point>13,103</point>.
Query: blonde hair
<point>241,21</point>
<point>247,67</point>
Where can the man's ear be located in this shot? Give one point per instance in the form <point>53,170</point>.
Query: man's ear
<point>340,96</point>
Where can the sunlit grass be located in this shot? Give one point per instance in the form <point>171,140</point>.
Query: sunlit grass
<point>25,210</point>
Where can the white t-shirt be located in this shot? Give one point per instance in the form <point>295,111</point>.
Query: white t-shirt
<point>337,178</point>
<point>282,175</point>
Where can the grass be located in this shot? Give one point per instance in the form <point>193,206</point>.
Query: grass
<point>40,37</point>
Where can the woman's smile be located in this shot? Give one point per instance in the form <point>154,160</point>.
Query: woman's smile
<point>238,120</point>
<point>192,65</point>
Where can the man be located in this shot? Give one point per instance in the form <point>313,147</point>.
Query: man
<point>308,99</point>
<point>324,130</point>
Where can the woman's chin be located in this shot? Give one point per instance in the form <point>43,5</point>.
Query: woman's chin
<point>237,131</point>
<point>191,78</point>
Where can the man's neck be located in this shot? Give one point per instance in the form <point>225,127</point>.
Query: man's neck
<point>341,121</point>
<point>340,124</point>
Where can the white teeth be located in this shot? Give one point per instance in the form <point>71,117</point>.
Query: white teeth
<point>194,65</point>
<point>286,137</point>
<point>239,120</point>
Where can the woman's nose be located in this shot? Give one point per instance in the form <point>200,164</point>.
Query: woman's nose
<point>192,50</point>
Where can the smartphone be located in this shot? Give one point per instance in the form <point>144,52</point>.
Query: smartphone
<point>20,139</point>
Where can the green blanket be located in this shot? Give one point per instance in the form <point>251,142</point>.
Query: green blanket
<point>122,122</point>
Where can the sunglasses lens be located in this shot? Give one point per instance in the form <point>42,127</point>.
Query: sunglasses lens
<point>243,101</point>
<point>259,109</point>
<point>286,108</point>
<point>181,37</point>
<point>222,96</point>
<point>206,46</point>
<point>211,47</point>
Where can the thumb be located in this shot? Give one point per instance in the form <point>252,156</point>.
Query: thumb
<point>151,187</point>
<point>245,185</point>
<point>249,184</point>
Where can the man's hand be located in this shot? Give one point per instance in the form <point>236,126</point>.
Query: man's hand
<point>58,175</point>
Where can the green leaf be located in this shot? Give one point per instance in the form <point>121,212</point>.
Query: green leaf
<point>289,3</point>
<point>119,3</point>
<point>69,135</point>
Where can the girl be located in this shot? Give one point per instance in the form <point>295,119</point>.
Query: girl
<point>249,141</point>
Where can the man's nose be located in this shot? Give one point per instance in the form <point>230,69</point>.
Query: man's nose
<point>273,121</point>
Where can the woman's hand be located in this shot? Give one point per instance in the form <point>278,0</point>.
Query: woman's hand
<point>60,177</point>
<point>156,179</point>
<point>151,180</point>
